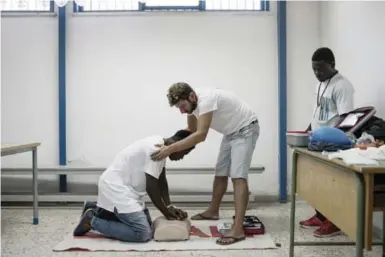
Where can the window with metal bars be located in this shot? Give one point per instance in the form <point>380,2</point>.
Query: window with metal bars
<point>27,5</point>
<point>172,5</point>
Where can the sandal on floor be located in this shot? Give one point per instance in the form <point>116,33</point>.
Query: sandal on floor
<point>225,240</point>
<point>200,216</point>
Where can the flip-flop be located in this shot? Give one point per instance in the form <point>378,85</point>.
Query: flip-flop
<point>229,242</point>
<point>200,216</point>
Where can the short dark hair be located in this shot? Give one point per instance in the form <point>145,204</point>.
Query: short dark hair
<point>181,134</point>
<point>178,91</point>
<point>323,54</point>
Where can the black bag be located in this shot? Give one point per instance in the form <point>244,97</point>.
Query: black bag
<point>375,126</point>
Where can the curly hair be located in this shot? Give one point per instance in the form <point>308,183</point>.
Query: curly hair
<point>178,91</point>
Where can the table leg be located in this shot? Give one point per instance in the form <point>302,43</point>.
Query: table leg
<point>369,181</point>
<point>383,234</point>
<point>35,187</point>
<point>360,231</point>
<point>292,209</point>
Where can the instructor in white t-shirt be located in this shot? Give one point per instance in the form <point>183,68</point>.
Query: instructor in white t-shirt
<point>334,98</point>
<point>238,123</point>
<point>120,211</point>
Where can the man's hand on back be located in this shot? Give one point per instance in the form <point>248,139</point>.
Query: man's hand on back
<point>162,153</point>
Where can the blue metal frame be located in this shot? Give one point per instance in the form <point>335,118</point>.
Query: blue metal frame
<point>62,13</point>
<point>282,99</point>
<point>51,9</point>
<point>142,7</point>
<point>265,5</point>
<point>77,8</point>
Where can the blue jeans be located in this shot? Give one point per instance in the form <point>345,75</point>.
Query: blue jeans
<point>128,227</point>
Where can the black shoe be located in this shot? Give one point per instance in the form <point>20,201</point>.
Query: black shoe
<point>84,225</point>
<point>88,205</point>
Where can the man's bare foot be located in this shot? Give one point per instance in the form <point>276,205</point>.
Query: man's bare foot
<point>206,215</point>
<point>231,237</point>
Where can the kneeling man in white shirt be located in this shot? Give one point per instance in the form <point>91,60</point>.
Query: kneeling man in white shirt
<point>120,211</point>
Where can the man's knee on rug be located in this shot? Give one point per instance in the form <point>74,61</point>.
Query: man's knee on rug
<point>139,236</point>
<point>123,232</point>
<point>136,226</point>
<point>130,227</point>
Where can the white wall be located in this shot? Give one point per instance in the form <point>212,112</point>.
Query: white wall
<point>133,59</point>
<point>29,90</point>
<point>354,30</point>
<point>118,71</point>
<point>303,38</point>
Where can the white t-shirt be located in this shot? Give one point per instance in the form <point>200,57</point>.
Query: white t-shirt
<point>230,113</point>
<point>123,184</point>
<point>334,99</point>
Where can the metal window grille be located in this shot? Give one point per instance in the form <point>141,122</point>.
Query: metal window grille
<point>27,5</point>
<point>173,5</point>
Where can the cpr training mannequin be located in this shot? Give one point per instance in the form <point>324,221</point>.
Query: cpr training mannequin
<point>171,230</point>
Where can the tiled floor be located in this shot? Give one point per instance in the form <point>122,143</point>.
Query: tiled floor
<point>19,237</point>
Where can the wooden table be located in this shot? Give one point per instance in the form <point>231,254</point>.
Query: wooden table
<point>22,148</point>
<point>343,193</point>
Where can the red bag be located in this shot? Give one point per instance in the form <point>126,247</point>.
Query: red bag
<point>253,226</point>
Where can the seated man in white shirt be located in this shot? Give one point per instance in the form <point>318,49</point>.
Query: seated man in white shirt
<point>120,211</point>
